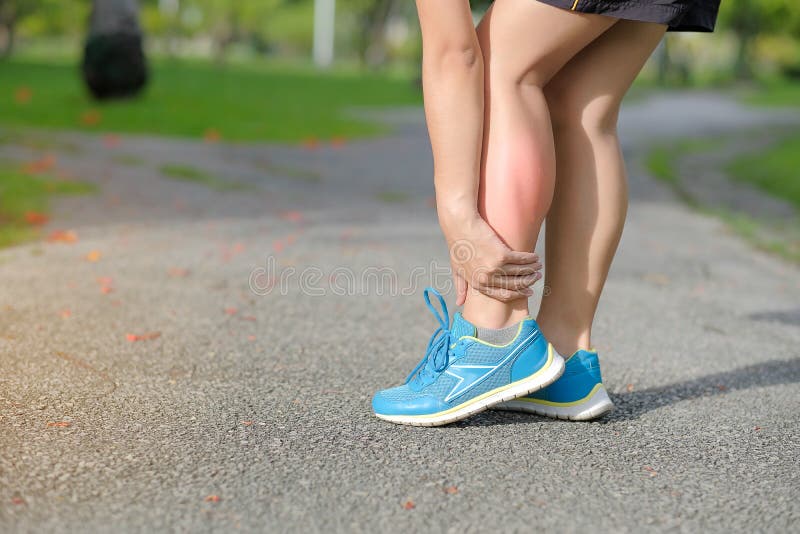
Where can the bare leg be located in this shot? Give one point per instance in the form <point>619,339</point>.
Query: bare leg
<point>524,43</point>
<point>585,221</point>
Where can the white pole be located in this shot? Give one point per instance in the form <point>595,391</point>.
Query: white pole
<point>324,18</point>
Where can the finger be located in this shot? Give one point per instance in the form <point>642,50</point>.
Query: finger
<point>514,283</point>
<point>510,269</point>
<point>520,258</point>
<point>461,289</point>
<point>506,295</point>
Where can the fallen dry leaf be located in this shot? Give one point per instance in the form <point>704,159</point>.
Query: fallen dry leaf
<point>231,311</point>
<point>66,314</point>
<point>106,286</point>
<point>292,216</point>
<point>143,337</point>
<point>62,236</point>
<point>652,472</point>
<point>23,95</point>
<point>658,279</point>
<point>93,256</point>
<point>311,143</point>
<point>409,505</point>
<point>35,218</point>
<point>40,165</point>
<point>451,490</point>
<point>338,141</point>
<point>629,388</point>
<point>17,500</point>
<point>212,498</point>
<point>247,423</point>
<point>178,272</point>
<point>59,424</point>
<point>251,338</point>
<point>211,135</point>
<point>91,118</point>
<point>110,140</point>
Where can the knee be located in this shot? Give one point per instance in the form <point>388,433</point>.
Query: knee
<point>504,66</point>
<point>573,107</point>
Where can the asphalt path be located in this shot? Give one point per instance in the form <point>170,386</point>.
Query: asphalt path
<point>202,359</point>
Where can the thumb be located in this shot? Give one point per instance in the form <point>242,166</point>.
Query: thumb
<point>461,288</point>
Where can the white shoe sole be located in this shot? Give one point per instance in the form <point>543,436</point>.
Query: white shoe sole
<point>596,404</point>
<point>545,376</point>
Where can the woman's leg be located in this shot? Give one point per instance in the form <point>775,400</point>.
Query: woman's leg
<point>524,44</point>
<point>585,221</point>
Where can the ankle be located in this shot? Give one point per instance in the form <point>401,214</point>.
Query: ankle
<point>565,339</point>
<point>495,319</point>
<point>487,312</point>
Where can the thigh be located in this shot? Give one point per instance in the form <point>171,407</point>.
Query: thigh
<point>530,41</point>
<point>591,85</point>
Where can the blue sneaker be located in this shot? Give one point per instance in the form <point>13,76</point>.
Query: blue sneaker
<point>578,395</point>
<point>461,375</point>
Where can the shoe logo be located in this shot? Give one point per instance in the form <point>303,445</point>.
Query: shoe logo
<point>469,376</point>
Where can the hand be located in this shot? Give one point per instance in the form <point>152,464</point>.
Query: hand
<point>480,260</point>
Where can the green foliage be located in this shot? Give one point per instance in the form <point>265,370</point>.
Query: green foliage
<point>775,170</point>
<point>48,17</point>
<point>187,99</point>
<point>761,16</point>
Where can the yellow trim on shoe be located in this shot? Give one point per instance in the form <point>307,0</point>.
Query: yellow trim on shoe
<point>544,368</point>
<point>482,342</point>
<point>572,403</point>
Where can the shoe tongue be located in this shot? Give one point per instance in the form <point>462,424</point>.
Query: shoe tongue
<point>461,327</point>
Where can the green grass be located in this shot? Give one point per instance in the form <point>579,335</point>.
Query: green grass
<point>660,164</point>
<point>129,160</point>
<point>661,161</point>
<point>779,92</point>
<point>187,173</point>
<point>21,194</point>
<point>242,102</point>
<point>392,197</point>
<point>775,171</point>
<point>294,173</point>
<point>37,141</point>
<point>787,245</point>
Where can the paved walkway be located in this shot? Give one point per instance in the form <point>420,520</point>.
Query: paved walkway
<point>152,389</point>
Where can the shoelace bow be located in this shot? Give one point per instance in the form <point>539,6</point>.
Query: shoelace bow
<point>440,340</point>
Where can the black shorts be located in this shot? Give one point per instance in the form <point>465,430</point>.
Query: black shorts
<point>679,15</point>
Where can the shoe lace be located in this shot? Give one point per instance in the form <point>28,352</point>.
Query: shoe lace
<point>437,355</point>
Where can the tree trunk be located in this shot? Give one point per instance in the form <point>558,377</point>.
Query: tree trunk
<point>114,64</point>
<point>743,69</point>
<point>372,49</point>
<point>10,31</point>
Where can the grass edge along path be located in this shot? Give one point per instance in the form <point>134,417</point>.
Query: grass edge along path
<point>662,160</point>
<point>25,201</point>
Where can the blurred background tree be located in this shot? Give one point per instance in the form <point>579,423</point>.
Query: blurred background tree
<point>772,21</point>
<point>755,38</point>
<point>114,64</point>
